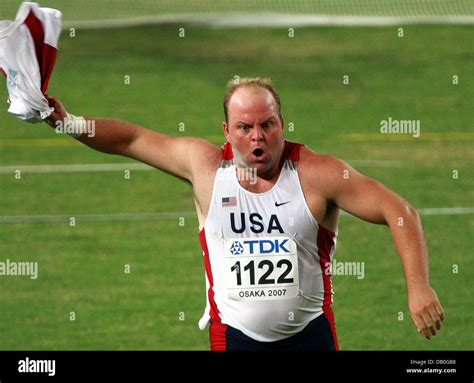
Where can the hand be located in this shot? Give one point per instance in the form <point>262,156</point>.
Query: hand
<point>59,113</point>
<point>425,310</point>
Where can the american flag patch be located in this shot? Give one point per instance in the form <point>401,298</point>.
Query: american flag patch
<point>229,201</point>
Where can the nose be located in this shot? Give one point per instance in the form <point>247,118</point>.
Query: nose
<point>257,134</point>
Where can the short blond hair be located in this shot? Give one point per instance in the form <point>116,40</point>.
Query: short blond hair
<point>248,82</point>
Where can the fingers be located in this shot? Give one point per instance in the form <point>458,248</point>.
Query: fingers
<point>436,319</point>
<point>426,311</point>
<point>51,100</point>
<point>54,103</point>
<point>439,311</point>
<point>429,325</point>
<point>422,326</point>
<point>439,316</point>
<point>429,321</point>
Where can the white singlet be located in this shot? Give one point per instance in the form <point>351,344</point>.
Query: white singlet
<point>267,260</point>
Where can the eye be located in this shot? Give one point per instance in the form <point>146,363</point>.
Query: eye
<point>244,127</point>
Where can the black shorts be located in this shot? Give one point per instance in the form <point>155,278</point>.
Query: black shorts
<point>316,336</point>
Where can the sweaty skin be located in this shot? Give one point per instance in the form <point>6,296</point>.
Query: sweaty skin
<point>255,130</point>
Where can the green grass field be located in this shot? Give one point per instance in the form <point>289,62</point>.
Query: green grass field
<point>172,80</point>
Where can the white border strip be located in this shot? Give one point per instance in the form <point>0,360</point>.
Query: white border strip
<point>266,20</point>
<point>167,216</point>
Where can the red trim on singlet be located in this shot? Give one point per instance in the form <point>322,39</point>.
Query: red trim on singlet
<point>45,54</point>
<point>1,70</point>
<point>227,153</point>
<point>325,243</point>
<point>291,151</point>
<point>217,329</point>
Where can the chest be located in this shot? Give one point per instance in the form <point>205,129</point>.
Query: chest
<point>269,215</point>
<point>238,212</point>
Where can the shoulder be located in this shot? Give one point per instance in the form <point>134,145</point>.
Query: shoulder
<point>203,148</point>
<point>204,156</point>
<point>324,165</point>
<point>322,172</point>
<point>330,175</point>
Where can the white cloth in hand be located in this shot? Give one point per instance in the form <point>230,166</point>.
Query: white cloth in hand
<point>28,47</point>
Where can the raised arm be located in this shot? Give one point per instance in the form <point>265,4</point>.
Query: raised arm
<point>176,156</point>
<point>373,202</point>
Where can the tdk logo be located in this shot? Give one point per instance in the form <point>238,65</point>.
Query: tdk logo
<point>260,246</point>
<point>236,248</point>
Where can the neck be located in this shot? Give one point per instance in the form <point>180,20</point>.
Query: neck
<point>259,181</point>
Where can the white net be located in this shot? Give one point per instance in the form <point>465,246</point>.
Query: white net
<point>80,10</point>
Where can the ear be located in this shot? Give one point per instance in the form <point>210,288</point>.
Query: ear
<point>225,128</point>
<point>282,123</point>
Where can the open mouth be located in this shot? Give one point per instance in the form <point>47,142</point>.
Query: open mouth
<point>258,153</point>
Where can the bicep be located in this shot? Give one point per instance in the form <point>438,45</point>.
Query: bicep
<point>170,154</point>
<point>365,197</point>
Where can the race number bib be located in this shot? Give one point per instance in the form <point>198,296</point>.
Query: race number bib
<point>261,268</point>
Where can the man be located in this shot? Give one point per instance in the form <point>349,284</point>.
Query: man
<point>268,216</point>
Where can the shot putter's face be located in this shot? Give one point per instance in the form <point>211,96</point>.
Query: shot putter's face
<point>255,130</point>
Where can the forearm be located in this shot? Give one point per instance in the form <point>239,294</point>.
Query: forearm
<point>423,303</point>
<point>108,135</point>
<point>410,242</point>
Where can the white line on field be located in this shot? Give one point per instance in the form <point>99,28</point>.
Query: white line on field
<point>111,167</point>
<point>446,211</point>
<point>163,216</point>
<point>166,216</point>
<point>438,211</point>
<point>74,168</point>
<point>380,163</point>
<point>266,20</point>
